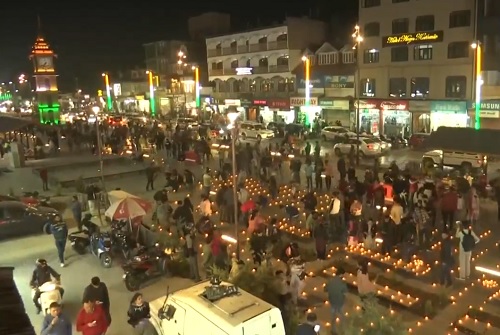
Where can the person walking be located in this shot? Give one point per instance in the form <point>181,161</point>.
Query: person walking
<point>59,231</point>
<point>446,259</point>
<point>56,323</point>
<point>97,291</point>
<point>91,319</point>
<point>336,289</point>
<point>365,286</point>
<point>310,327</point>
<point>467,241</point>
<point>207,182</point>
<point>76,209</point>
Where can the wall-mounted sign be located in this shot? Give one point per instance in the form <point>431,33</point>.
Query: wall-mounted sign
<point>117,90</point>
<point>485,114</point>
<point>413,38</point>
<point>365,104</point>
<point>243,71</point>
<point>232,102</point>
<point>339,81</point>
<point>260,103</point>
<point>453,107</point>
<point>492,105</point>
<point>394,105</point>
<point>301,101</point>
<point>331,103</point>
<point>279,103</point>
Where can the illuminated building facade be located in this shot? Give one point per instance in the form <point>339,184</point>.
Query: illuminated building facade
<point>416,64</point>
<point>46,89</point>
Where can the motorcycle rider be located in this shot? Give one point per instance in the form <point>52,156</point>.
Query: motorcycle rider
<point>90,228</point>
<point>42,274</point>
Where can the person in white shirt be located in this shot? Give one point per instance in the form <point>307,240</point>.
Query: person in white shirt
<point>243,195</point>
<point>467,241</point>
<point>207,182</point>
<point>396,215</point>
<point>335,206</point>
<point>205,206</point>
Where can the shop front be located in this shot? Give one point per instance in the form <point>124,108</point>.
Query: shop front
<point>489,113</point>
<point>396,117</point>
<point>369,116</point>
<point>449,114</point>
<point>263,112</point>
<point>335,111</point>
<point>306,112</point>
<point>231,105</point>
<point>421,116</point>
<point>281,110</point>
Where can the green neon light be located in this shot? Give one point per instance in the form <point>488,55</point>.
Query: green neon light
<point>153,106</point>
<point>110,103</point>
<point>5,96</point>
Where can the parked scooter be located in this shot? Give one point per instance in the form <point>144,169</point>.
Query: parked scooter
<point>80,240</point>
<point>148,264</point>
<point>49,293</point>
<point>120,239</point>
<point>100,246</point>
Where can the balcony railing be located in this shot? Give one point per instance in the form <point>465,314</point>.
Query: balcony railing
<point>243,49</point>
<point>258,47</point>
<point>216,72</point>
<point>230,51</point>
<point>260,69</point>
<point>277,45</point>
<point>278,68</point>
<point>229,72</point>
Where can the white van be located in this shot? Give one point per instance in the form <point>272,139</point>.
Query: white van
<point>209,309</point>
<point>465,160</point>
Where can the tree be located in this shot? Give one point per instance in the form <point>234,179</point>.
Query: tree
<point>374,320</point>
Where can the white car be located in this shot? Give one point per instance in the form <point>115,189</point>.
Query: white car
<point>335,133</point>
<point>384,146</point>
<point>465,160</point>
<point>187,123</point>
<point>367,147</point>
<point>254,130</point>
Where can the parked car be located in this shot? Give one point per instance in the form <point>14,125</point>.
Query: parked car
<point>186,123</point>
<point>384,145</point>
<point>417,140</point>
<point>254,130</point>
<point>18,219</point>
<point>277,127</point>
<point>335,133</point>
<point>296,129</point>
<point>367,147</point>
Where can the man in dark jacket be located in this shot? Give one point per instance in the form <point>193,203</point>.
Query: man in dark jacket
<point>447,260</point>
<point>98,291</point>
<point>59,230</point>
<point>309,327</point>
<point>42,274</point>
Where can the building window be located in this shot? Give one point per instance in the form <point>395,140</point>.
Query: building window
<point>460,18</point>
<point>424,23</point>
<point>456,87</point>
<point>367,88</point>
<point>236,86</point>
<point>419,87</point>
<point>370,3</point>
<point>423,52</point>
<point>400,26</point>
<point>248,63</point>
<point>253,86</point>
<point>371,56</point>
<point>458,50</point>
<point>399,54</point>
<point>327,58</point>
<point>348,57</point>
<point>282,84</point>
<point>234,64</point>
<point>397,87</point>
<point>291,85</point>
<point>372,29</point>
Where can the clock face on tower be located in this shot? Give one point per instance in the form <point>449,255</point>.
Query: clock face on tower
<point>44,63</point>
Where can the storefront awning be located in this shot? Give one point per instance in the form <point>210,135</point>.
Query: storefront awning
<point>483,141</point>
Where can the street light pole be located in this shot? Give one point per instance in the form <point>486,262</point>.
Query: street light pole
<point>478,57</point>
<point>357,90</point>
<point>232,119</point>
<point>96,110</point>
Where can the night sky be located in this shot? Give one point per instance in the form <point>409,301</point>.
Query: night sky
<point>106,36</point>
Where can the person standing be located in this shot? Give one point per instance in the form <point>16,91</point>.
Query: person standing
<point>365,286</point>
<point>328,175</point>
<point>44,176</point>
<point>396,216</point>
<point>150,176</point>
<point>190,251</point>
<point>467,241</point>
<point>449,205</point>
<point>76,209</point>
<point>309,327</point>
<point>59,231</point>
<point>97,292</point>
<point>447,260</point>
<point>91,319</point>
<point>336,289</point>
<point>207,182</point>
<point>422,223</point>
<point>56,323</point>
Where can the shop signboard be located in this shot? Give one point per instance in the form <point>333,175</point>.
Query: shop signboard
<point>453,107</point>
<point>330,103</point>
<point>339,81</point>
<point>413,38</point>
<point>232,102</point>
<point>260,102</point>
<point>366,104</point>
<point>316,80</point>
<point>423,106</point>
<point>301,101</point>
<point>245,102</point>
<point>283,104</point>
<point>489,105</point>
<point>486,114</point>
<point>393,105</point>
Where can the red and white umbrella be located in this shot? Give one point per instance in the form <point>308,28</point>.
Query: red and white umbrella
<point>128,208</point>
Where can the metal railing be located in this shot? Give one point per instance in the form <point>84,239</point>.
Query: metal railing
<point>278,68</point>
<point>256,47</point>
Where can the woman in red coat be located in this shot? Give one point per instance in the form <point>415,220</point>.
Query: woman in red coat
<point>91,319</point>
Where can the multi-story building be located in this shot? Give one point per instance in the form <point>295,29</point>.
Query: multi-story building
<point>331,84</point>
<point>252,69</point>
<point>130,91</point>
<point>416,64</point>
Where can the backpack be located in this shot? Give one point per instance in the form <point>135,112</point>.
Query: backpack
<point>468,241</point>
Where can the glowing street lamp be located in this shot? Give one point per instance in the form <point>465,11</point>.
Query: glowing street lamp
<point>197,85</point>
<point>479,82</point>
<point>96,110</point>
<point>307,76</point>
<point>233,116</point>
<point>108,91</point>
<point>151,93</point>
<point>357,44</point>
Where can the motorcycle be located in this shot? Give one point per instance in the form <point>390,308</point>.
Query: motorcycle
<point>100,246</point>
<point>120,239</point>
<point>80,241</point>
<point>49,293</point>
<point>146,265</point>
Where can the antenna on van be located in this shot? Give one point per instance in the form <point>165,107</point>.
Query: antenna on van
<point>161,311</point>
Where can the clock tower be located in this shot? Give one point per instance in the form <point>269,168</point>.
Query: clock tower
<point>47,93</point>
